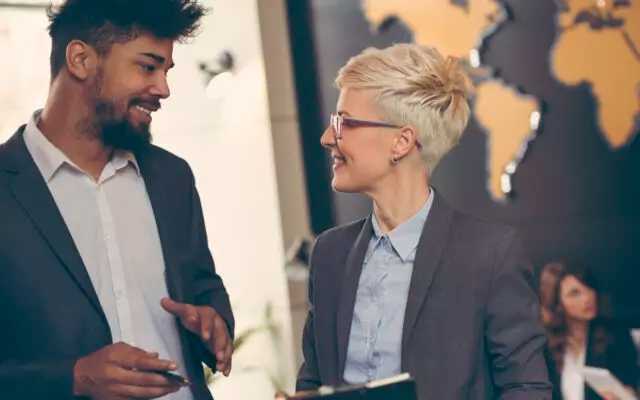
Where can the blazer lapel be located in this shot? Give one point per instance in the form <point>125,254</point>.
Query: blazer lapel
<point>428,254</point>
<point>31,192</point>
<point>353,269</point>
<point>161,206</point>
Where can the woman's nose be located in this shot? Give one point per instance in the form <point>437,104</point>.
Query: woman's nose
<point>328,138</point>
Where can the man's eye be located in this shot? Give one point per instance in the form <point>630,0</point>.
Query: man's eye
<point>147,67</point>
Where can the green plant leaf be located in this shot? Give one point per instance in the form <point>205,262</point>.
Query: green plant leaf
<point>246,335</point>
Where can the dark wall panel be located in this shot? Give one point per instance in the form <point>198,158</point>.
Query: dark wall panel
<point>574,196</point>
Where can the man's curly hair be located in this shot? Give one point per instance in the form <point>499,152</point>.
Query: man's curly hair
<point>101,23</point>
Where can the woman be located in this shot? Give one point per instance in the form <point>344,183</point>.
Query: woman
<point>416,287</point>
<point>579,334</point>
<point>548,279</point>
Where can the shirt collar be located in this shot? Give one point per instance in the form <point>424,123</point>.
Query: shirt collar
<point>405,237</point>
<point>49,158</point>
<point>121,159</point>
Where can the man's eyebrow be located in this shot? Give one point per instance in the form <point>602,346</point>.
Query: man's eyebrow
<point>341,112</point>
<point>156,58</point>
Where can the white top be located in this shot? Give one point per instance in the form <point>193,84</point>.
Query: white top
<point>114,229</point>
<point>572,379</point>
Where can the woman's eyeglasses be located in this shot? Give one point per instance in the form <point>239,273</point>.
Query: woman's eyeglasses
<point>338,122</point>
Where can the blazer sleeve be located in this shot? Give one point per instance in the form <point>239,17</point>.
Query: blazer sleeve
<point>209,287</point>
<point>36,380</point>
<point>514,334</point>
<point>308,375</point>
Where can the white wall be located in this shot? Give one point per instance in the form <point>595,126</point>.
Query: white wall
<point>24,69</point>
<point>230,146</point>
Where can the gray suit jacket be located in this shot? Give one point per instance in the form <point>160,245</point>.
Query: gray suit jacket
<point>50,313</point>
<point>471,328</point>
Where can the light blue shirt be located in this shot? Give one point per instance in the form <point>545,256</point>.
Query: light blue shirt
<point>375,342</point>
<point>114,229</point>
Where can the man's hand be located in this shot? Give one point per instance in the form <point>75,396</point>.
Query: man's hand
<point>121,371</point>
<point>206,323</point>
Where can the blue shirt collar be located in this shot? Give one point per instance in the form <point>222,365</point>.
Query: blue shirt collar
<point>405,237</point>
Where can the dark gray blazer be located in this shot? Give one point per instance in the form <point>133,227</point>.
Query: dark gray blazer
<point>471,329</point>
<point>50,313</point>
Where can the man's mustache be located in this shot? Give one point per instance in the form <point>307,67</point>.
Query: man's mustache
<point>154,103</point>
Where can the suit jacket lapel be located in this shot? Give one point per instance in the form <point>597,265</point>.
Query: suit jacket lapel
<point>31,192</point>
<point>161,205</point>
<point>430,246</point>
<point>353,269</point>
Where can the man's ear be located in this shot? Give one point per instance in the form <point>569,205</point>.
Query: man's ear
<point>404,141</point>
<point>82,59</point>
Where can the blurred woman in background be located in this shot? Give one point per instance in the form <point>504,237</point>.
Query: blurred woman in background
<point>548,279</point>
<point>581,335</point>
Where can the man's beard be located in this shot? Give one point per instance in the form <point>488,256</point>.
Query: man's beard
<point>110,124</point>
<point>116,131</point>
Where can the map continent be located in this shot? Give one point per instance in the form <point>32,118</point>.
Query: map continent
<point>459,30</point>
<point>599,44</point>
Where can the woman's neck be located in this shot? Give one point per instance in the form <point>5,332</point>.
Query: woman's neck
<point>577,334</point>
<point>400,198</point>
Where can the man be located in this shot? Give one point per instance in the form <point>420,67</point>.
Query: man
<point>106,280</point>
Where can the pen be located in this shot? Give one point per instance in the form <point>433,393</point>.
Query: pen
<point>173,377</point>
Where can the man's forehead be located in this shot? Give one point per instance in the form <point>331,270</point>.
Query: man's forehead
<point>161,50</point>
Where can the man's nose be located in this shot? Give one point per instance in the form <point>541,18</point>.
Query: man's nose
<point>161,87</point>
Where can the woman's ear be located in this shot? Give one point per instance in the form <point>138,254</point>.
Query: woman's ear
<point>405,141</point>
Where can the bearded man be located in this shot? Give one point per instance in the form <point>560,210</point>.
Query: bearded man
<point>107,287</point>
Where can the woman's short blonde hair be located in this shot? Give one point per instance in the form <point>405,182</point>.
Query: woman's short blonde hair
<point>415,85</point>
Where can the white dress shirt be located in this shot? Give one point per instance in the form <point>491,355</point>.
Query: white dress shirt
<point>114,229</point>
<point>572,379</point>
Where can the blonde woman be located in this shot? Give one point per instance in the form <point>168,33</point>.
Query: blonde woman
<point>416,287</point>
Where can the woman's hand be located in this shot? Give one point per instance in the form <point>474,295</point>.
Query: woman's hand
<point>606,395</point>
<point>284,395</point>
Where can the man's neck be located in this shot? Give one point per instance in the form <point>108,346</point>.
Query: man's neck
<point>63,123</point>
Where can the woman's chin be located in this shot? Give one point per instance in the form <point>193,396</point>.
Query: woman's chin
<point>343,186</point>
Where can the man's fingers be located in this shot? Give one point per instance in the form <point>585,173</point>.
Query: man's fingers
<point>224,366</point>
<point>207,327</point>
<point>187,313</point>
<point>154,364</point>
<point>142,392</point>
<point>136,359</point>
<point>222,347</point>
<point>144,378</point>
<point>173,307</point>
<point>228,355</point>
<point>221,338</point>
<point>223,357</point>
<point>126,355</point>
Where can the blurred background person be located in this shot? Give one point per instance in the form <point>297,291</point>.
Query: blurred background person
<point>581,333</point>
<point>548,278</point>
